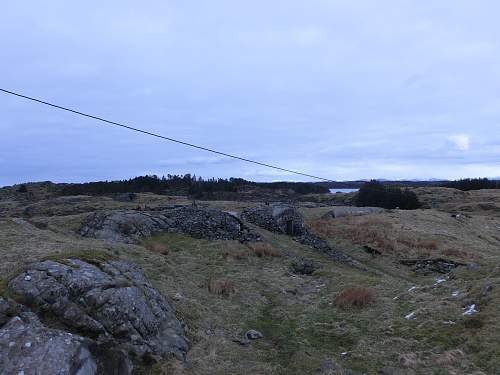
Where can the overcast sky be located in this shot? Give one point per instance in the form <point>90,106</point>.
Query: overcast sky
<point>340,89</point>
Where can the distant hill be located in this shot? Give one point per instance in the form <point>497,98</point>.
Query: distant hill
<point>356,184</point>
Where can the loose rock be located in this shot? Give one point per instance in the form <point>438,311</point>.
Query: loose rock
<point>470,310</point>
<point>253,334</point>
<point>488,287</point>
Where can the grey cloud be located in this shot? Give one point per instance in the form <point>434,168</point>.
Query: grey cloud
<point>338,88</point>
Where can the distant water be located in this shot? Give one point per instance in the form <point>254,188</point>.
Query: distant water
<point>333,191</point>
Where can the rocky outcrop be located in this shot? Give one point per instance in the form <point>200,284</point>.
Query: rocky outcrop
<point>342,211</point>
<point>304,267</point>
<point>28,347</point>
<point>427,266</point>
<point>276,218</point>
<point>130,225</point>
<point>322,246</point>
<point>110,303</point>
<point>288,220</point>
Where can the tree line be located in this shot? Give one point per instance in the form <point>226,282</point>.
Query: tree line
<point>376,194</point>
<point>466,184</point>
<point>183,185</point>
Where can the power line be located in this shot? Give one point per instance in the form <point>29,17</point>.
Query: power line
<point>160,136</point>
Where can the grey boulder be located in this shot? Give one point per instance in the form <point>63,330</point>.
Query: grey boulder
<point>252,334</point>
<point>111,303</point>
<point>28,347</point>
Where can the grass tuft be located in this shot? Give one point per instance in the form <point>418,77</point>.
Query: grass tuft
<point>356,297</point>
<point>157,247</point>
<point>264,250</point>
<point>221,287</point>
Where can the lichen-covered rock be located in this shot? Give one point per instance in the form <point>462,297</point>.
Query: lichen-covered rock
<point>276,218</point>
<point>29,347</point>
<point>129,225</point>
<point>110,302</point>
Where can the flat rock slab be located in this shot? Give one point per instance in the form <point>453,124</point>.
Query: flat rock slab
<point>129,225</point>
<point>343,211</point>
<point>110,302</point>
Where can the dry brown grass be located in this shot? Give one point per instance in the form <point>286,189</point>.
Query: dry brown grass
<point>455,253</point>
<point>157,247</point>
<point>357,297</point>
<point>360,232</point>
<point>222,287</point>
<point>235,253</point>
<point>263,249</point>
<point>375,232</point>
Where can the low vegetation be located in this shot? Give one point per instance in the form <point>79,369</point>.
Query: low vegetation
<point>376,232</point>
<point>313,312</point>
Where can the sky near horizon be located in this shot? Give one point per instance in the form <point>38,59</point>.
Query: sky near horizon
<point>339,89</point>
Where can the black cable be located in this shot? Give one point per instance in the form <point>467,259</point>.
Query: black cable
<point>160,136</point>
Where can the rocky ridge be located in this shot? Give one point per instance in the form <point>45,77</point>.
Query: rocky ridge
<point>130,225</point>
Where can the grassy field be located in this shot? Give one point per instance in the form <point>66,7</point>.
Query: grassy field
<point>321,323</point>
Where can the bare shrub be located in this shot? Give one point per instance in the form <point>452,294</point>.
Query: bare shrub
<point>222,287</point>
<point>263,249</point>
<point>357,297</point>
